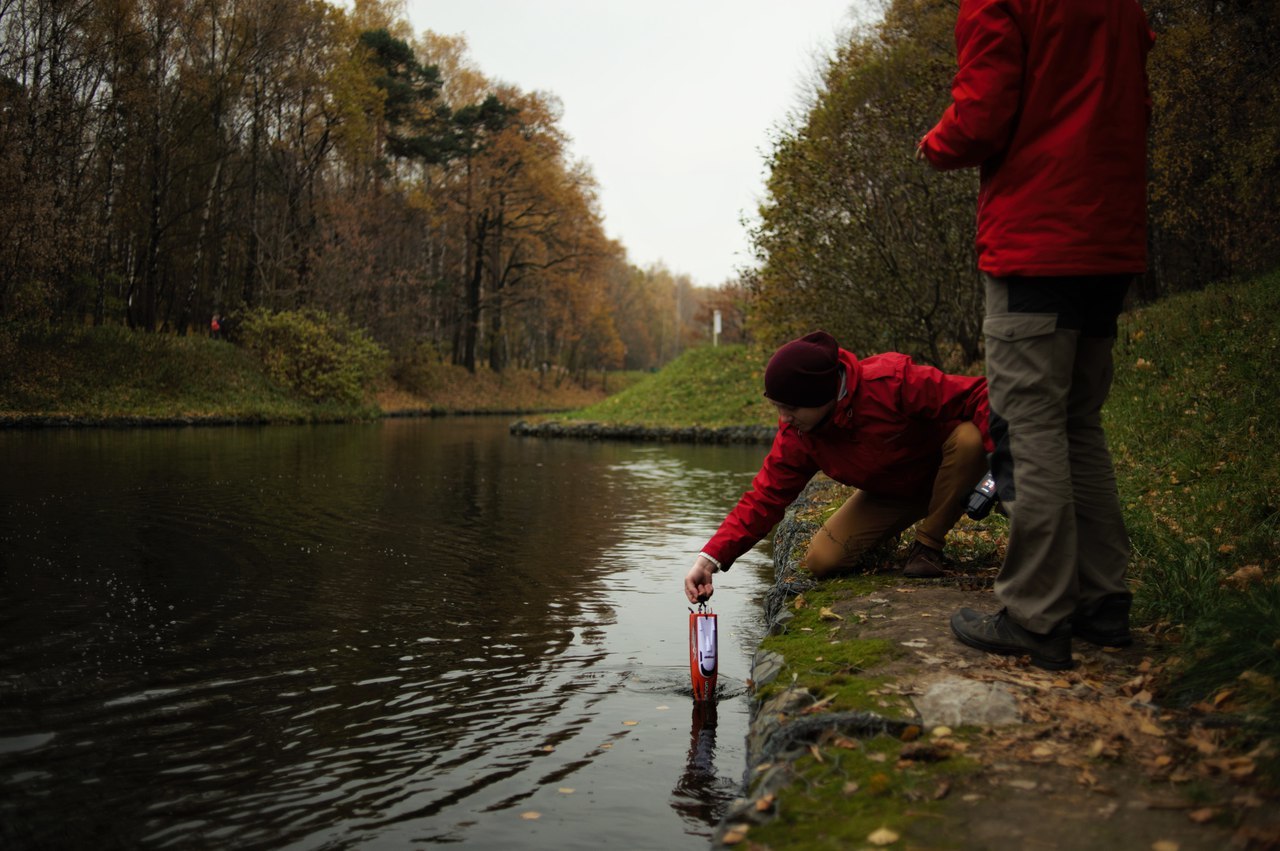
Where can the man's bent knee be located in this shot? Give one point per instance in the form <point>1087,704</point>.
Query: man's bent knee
<point>823,558</point>
<point>966,440</point>
<point>828,557</point>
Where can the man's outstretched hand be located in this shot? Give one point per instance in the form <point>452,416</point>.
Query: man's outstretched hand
<point>697,582</point>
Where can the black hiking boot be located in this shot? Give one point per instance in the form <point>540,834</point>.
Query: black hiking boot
<point>1105,621</point>
<point>924,562</point>
<point>999,634</point>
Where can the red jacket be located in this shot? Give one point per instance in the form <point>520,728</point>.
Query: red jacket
<point>885,437</point>
<point>1051,100</point>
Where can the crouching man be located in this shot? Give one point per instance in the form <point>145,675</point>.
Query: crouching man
<point>911,439</point>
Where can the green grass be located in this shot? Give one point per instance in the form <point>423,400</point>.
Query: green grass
<point>1194,424</point>
<point>831,666</point>
<point>711,386</point>
<point>838,801</point>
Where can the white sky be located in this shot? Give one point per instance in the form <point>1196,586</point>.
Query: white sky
<point>671,102</point>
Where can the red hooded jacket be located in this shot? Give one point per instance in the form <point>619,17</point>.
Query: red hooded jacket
<point>1051,100</point>
<point>885,436</point>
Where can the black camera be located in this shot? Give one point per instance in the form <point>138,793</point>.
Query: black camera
<point>983,498</point>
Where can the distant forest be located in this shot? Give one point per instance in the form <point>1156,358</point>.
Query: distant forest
<point>163,161</point>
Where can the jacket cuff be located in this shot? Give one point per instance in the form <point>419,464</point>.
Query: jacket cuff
<point>717,567</point>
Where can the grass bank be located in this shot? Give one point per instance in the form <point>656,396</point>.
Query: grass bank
<point>112,375</point>
<point>1194,424</point>
<point>711,387</point>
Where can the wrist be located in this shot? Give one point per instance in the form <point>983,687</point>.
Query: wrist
<point>715,563</point>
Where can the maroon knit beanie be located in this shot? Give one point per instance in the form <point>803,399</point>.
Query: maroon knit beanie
<point>804,373</point>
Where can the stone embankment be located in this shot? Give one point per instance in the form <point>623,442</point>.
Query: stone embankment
<point>658,434</point>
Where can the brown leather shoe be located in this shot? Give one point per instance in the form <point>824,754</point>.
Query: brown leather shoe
<point>924,562</point>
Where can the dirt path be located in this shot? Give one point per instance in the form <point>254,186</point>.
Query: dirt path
<point>1096,763</point>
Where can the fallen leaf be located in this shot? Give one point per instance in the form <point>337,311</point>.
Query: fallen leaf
<point>565,790</point>
<point>1244,577</point>
<point>1201,741</point>
<point>531,816</point>
<point>826,614</point>
<point>765,804</point>
<point>735,834</point>
<point>548,748</point>
<point>910,733</point>
<point>1242,768</point>
<point>1165,845</point>
<point>1149,728</point>
<point>1259,680</point>
<point>1203,816</point>
<point>940,732</point>
<point>850,787</point>
<point>817,754</point>
<point>630,723</point>
<point>1042,752</point>
<point>883,836</point>
<point>879,783</point>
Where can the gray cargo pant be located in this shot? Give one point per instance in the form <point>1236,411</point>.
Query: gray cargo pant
<point>1049,370</point>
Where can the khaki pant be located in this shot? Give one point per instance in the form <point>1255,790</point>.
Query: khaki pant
<point>1049,370</point>
<point>865,520</point>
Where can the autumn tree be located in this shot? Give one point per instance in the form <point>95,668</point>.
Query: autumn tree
<point>855,236</point>
<point>1215,175</point>
<point>164,160</point>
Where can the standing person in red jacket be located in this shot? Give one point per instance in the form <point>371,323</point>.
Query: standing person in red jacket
<point>1051,102</point>
<point>911,438</point>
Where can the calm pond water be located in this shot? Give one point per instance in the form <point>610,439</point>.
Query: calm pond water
<point>365,636</point>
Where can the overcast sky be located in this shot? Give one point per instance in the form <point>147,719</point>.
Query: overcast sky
<point>672,102</point>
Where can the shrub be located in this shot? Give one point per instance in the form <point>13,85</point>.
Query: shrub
<point>321,357</point>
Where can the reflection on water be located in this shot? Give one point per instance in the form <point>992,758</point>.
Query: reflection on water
<point>362,636</point>
<point>700,788</point>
